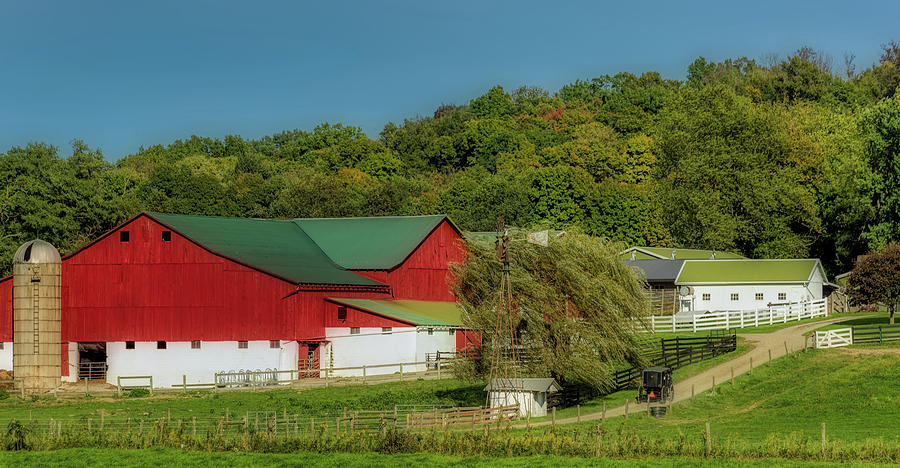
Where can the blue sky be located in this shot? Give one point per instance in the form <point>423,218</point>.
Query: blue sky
<point>120,75</point>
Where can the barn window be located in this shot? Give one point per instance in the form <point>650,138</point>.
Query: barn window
<point>1,345</point>
<point>124,236</point>
<point>160,345</point>
<point>782,296</point>
<point>167,236</point>
<point>274,344</point>
<point>354,330</point>
<point>242,345</point>
<point>195,344</point>
<point>759,296</point>
<point>734,296</point>
<point>451,332</point>
<point>342,313</point>
<point>129,345</point>
<point>705,296</point>
<point>386,330</point>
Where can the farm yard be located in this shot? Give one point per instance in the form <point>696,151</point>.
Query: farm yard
<point>773,416</point>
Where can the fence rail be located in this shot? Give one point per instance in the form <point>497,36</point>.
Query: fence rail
<point>728,319</point>
<point>876,334</point>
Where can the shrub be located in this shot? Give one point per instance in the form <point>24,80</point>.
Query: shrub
<point>4,394</point>
<point>137,393</point>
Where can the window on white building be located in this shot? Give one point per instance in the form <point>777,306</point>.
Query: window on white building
<point>354,330</point>
<point>242,345</point>
<point>386,330</point>
<point>705,296</point>
<point>451,332</point>
<point>129,345</point>
<point>759,296</point>
<point>431,331</point>
<point>195,344</point>
<point>782,296</point>
<point>735,296</point>
<point>160,345</point>
<point>274,344</point>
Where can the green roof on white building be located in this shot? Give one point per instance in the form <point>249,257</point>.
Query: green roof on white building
<point>733,271</point>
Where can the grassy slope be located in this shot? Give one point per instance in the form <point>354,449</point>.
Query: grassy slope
<point>170,457</point>
<point>205,404</point>
<point>877,318</point>
<point>854,394</point>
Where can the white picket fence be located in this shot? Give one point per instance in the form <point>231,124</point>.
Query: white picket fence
<point>728,319</point>
<point>834,338</point>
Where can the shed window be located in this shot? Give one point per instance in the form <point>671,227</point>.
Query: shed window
<point>167,236</point>
<point>386,330</point>
<point>129,345</point>
<point>431,331</point>
<point>160,345</point>
<point>195,344</point>
<point>354,330</point>
<point>735,296</point>
<point>782,296</point>
<point>759,296</point>
<point>705,296</point>
<point>274,344</point>
<point>124,236</point>
<point>242,345</point>
<point>342,313</point>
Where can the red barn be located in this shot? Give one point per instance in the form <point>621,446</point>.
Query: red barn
<point>171,295</point>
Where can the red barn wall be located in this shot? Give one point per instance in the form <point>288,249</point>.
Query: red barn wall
<point>147,290</point>
<point>358,318</point>
<point>6,317</point>
<point>425,274</point>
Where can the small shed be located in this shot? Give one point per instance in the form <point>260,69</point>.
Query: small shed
<point>530,393</point>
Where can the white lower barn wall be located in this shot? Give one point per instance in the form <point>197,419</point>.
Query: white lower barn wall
<point>72,365</point>
<point>440,339</point>
<point>720,295</point>
<point>370,347</point>
<point>373,347</point>
<point>6,356</point>
<point>529,402</point>
<point>167,366</point>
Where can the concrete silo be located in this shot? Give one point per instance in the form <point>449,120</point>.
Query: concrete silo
<point>36,316</point>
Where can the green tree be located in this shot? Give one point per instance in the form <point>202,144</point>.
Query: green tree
<point>876,279</point>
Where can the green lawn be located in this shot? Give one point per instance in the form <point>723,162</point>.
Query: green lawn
<point>875,318</point>
<point>207,405</point>
<point>185,459</point>
<point>850,392</point>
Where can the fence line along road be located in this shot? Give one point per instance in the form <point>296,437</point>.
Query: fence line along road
<point>727,319</point>
<point>853,335</point>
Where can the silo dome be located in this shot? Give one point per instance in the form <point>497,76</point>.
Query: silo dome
<point>36,251</point>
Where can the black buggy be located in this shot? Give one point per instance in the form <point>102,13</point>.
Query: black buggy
<point>656,385</point>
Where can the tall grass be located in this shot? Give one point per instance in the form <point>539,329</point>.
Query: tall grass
<point>616,442</point>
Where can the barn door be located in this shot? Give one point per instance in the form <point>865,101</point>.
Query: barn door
<point>308,359</point>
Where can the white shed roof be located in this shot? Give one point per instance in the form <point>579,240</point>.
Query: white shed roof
<point>524,385</point>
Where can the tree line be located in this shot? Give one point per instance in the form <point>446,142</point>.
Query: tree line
<point>781,159</point>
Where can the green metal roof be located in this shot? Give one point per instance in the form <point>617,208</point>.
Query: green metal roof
<point>417,312</point>
<point>276,246</point>
<point>746,271</point>
<point>369,243</point>
<point>645,253</point>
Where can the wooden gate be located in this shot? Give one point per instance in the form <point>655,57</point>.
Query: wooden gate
<point>834,338</point>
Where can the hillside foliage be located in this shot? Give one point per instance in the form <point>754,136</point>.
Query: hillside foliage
<point>784,159</point>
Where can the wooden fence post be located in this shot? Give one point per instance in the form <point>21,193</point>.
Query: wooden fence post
<point>770,357</point>
<point>578,413</point>
<point>597,444</point>
<point>85,386</point>
<point>692,392</point>
<point>823,440</point>
<point>194,425</point>
<point>554,415</point>
<point>626,408</point>
<point>364,374</point>
<point>732,376</point>
<point>184,383</point>
<point>118,385</point>
<point>401,372</point>
<point>708,440</point>
<point>751,365</point>
<point>714,385</point>
<point>439,369</point>
<point>151,385</point>
<point>603,414</point>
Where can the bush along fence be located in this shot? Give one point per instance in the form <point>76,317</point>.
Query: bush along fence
<point>672,352</point>
<point>728,319</point>
<point>853,335</point>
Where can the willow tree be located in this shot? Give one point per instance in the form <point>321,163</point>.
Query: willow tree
<point>574,306</point>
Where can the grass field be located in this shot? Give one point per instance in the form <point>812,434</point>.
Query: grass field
<point>187,459</point>
<point>852,391</point>
<point>210,405</point>
<point>874,318</point>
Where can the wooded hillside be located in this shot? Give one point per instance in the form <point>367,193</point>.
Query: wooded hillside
<point>784,159</point>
